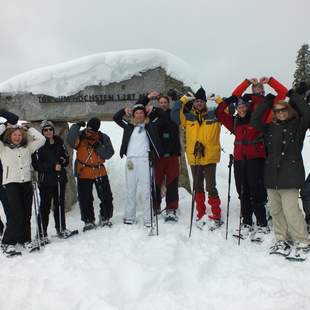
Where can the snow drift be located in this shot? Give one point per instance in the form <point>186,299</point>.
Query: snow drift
<point>68,78</point>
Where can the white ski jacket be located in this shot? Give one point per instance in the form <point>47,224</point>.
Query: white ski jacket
<point>16,162</point>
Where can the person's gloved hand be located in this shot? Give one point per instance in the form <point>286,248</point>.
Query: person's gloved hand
<point>231,100</point>
<point>187,97</point>
<point>270,98</point>
<point>3,120</point>
<point>81,123</point>
<point>218,99</point>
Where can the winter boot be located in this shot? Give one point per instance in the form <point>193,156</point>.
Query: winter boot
<point>104,222</point>
<point>281,247</point>
<point>200,204</point>
<point>128,221</point>
<point>215,203</point>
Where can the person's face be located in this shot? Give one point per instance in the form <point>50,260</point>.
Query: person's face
<point>89,132</point>
<point>139,116</point>
<point>258,90</point>
<point>199,104</point>
<point>163,104</point>
<point>242,110</point>
<point>16,137</point>
<point>280,112</point>
<point>48,132</point>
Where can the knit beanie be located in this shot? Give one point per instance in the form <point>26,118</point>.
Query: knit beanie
<point>201,94</point>
<point>93,124</point>
<point>45,123</point>
<point>138,106</point>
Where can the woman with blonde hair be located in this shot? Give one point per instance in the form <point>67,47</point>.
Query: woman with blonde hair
<point>15,153</point>
<point>284,172</point>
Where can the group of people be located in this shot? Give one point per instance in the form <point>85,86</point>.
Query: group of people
<point>268,166</point>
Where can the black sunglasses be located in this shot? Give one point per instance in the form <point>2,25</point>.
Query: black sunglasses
<point>48,129</point>
<point>280,110</point>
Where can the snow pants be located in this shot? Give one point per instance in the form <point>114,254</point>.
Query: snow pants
<point>201,174</point>
<point>18,227</point>
<point>167,168</point>
<point>249,179</point>
<point>305,196</point>
<point>138,188</point>
<point>47,194</point>
<point>86,199</point>
<point>287,218</point>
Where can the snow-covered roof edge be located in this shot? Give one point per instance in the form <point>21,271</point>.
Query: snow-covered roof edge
<point>68,78</point>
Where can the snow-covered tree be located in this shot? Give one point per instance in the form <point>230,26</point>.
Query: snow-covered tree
<point>302,73</point>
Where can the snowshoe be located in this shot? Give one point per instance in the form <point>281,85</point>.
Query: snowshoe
<point>201,222</point>
<point>9,250</point>
<point>31,246</point>
<point>128,221</point>
<point>214,224</point>
<point>281,247</point>
<point>171,216</point>
<point>44,240</point>
<point>89,226</point>
<point>259,233</point>
<point>66,233</point>
<point>246,230</point>
<point>104,222</point>
<point>296,254</point>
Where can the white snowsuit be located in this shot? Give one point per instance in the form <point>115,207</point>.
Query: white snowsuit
<point>138,175</point>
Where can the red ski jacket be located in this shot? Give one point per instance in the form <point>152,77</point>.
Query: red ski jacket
<point>249,143</point>
<point>280,89</point>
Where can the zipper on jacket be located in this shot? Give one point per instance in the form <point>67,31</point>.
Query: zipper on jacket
<point>7,172</point>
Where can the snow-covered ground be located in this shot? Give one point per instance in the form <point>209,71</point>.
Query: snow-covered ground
<point>124,268</point>
<point>103,68</point>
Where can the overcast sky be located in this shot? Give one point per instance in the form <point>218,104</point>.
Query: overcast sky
<point>224,40</point>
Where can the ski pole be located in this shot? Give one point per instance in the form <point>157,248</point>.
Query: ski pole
<point>242,197</point>
<point>231,159</point>
<point>36,198</point>
<point>195,174</point>
<point>35,202</point>
<point>59,204</point>
<point>155,199</point>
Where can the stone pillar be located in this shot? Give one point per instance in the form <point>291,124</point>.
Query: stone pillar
<point>61,129</point>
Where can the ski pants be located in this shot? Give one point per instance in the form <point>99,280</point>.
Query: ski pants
<point>5,204</point>
<point>47,194</point>
<point>287,218</point>
<point>138,188</point>
<point>249,179</point>
<point>167,168</point>
<point>86,199</point>
<point>206,173</point>
<point>305,196</point>
<point>18,227</point>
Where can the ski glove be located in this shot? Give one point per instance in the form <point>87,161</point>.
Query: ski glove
<point>231,100</point>
<point>81,123</point>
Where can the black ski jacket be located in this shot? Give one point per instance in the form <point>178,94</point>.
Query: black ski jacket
<point>284,166</point>
<point>151,128</point>
<point>45,159</point>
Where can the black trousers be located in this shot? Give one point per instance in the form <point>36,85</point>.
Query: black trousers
<point>18,227</point>
<point>86,199</point>
<point>249,179</point>
<point>5,204</point>
<point>47,194</point>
